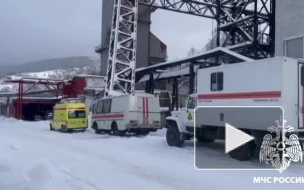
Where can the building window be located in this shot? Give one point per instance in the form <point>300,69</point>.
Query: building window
<point>107,106</point>
<point>294,48</point>
<point>99,107</point>
<point>217,81</point>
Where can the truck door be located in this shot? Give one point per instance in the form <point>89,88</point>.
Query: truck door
<point>189,115</point>
<point>301,95</point>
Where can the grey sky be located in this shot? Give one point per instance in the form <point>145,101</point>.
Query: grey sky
<point>40,29</point>
<point>181,32</point>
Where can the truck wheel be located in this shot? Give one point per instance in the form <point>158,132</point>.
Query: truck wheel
<point>204,140</point>
<point>137,132</point>
<point>63,128</point>
<point>173,137</point>
<point>51,128</point>
<point>145,132</point>
<point>83,130</point>
<point>122,133</point>
<point>114,129</point>
<point>244,152</point>
<point>95,127</point>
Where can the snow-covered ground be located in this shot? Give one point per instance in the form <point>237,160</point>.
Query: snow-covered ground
<point>34,158</point>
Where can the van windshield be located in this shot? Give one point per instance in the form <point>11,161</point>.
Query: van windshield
<point>77,114</point>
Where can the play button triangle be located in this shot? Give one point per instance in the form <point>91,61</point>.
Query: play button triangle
<point>235,138</point>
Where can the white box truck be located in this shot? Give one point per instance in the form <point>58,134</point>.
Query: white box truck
<point>133,113</point>
<point>275,81</point>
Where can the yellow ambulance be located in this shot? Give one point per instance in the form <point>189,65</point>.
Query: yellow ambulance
<point>69,117</point>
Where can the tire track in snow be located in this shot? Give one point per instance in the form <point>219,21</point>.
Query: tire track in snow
<point>73,176</point>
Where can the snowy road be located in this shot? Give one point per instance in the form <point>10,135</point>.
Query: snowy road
<point>33,158</point>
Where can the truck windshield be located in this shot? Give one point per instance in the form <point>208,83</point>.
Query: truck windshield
<point>77,114</point>
<point>191,103</point>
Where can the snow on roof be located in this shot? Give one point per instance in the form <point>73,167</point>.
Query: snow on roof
<point>155,91</point>
<point>240,45</point>
<point>168,73</point>
<point>40,98</point>
<point>218,49</point>
<point>92,76</point>
<point>32,92</point>
<point>94,88</point>
<point>180,71</point>
<point>16,79</point>
<point>8,93</point>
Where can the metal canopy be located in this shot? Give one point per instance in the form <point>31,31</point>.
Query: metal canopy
<point>53,85</point>
<point>214,57</point>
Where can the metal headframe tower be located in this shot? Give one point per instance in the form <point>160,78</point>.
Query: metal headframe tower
<point>122,48</point>
<point>248,27</point>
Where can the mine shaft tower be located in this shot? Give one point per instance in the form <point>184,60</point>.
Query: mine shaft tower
<point>248,27</point>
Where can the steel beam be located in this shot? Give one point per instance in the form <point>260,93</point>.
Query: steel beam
<point>248,32</point>
<point>203,8</point>
<point>238,20</point>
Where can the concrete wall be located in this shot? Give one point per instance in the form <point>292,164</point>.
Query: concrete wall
<point>289,22</point>
<point>106,19</point>
<point>95,82</point>
<point>143,31</point>
<point>143,34</point>
<point>158,50</point>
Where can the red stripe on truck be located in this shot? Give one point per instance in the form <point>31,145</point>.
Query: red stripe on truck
<point>108,116</point>
<point>145,102</point>
<point>240,95</point>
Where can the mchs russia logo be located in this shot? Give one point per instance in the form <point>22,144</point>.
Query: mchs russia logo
<point>281,147</point>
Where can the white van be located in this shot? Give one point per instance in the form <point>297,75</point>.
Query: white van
<point>138,113</point>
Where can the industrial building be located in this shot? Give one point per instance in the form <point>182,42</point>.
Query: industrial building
<point>30,104</point>
<point>289,30</point>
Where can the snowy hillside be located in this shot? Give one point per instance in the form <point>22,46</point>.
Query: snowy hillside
<point>49,65</point>
<point>53,74</point>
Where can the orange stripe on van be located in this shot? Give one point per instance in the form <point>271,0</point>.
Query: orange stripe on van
<point>240,95</point>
